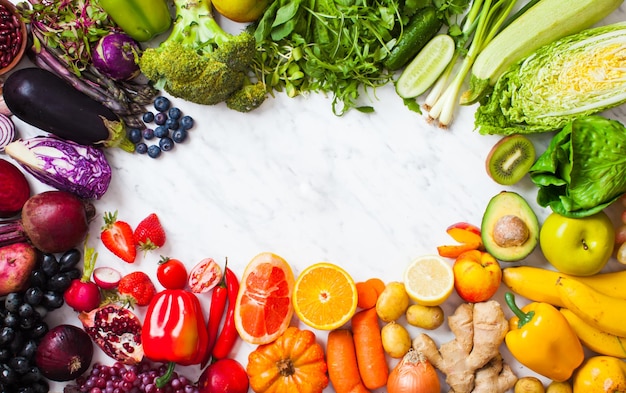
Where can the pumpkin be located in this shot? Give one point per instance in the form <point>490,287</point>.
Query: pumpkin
<point>294,362</point>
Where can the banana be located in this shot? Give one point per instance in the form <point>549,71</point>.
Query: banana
<point>538,284</point>
<point>604,312</point>
<point>595,339</point>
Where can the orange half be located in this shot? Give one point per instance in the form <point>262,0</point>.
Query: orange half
<point>325,296</point>
<point>263,309</point>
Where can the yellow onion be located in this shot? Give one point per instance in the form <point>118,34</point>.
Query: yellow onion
<point>415,374</point>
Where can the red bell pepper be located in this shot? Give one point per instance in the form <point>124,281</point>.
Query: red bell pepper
<point>174,328</point>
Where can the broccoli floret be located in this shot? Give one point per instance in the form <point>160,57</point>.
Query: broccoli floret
<point>199,61</point>
<point>249,97</point>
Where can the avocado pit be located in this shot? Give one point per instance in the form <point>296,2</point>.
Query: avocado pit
<point>510,231</point>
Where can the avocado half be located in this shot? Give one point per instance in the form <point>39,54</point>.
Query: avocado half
<point>509,229</point>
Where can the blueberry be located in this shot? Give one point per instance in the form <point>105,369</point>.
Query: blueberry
<point>148,133</point>
<point>161,131</point>
<point>174,113</point>
<point>161,104</point>
<point>166,144</point>
<point>148,117</point>
<point>186,122</point>
<point>154,151</point>
<point>160,118</point>
<point>179,135</point>
<point>141,148</point>
<point>134,135</point>
<point>172,124</point>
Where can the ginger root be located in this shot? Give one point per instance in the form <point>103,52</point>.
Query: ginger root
<point>471,361</point>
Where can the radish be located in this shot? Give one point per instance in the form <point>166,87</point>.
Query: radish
<point>15,189</point>
<point>106,277</point>
<point>52,221</point>
<point>84,294</point>
<point>17,261</point>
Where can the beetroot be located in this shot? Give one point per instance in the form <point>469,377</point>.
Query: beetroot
<point>116,330</point>
<point>17,261</point>
<point>15,189</point>
<point>53,221</point>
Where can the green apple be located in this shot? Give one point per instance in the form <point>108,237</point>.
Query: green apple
<point>577,246</point>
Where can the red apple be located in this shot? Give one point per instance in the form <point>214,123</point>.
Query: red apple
<point>477,276</point>
<point>465,233</point>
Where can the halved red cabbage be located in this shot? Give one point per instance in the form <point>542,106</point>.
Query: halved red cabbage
<point>64,165</point>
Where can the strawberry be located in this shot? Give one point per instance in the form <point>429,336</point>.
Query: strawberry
<point>117,236</point>
<point>137,288</point>
<point>149,234</point>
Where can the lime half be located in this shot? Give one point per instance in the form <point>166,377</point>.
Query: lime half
<point>422,72</point>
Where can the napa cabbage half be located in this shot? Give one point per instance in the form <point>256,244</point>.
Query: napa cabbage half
<point>583,170</point>
<point>581,74</point>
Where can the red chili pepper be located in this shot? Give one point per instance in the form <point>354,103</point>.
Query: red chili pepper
<point>228,335</point>
<point>216,311</point>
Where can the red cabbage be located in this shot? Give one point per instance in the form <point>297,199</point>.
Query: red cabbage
<point>64,165</point>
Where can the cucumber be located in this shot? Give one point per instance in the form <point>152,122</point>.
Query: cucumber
<point>541,24</point>
<point>426,67</point>
<point>421,28</point>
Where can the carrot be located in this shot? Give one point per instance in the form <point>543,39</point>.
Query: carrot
<point>366,294</point>
<point>378,284</point>
<point>368,344</point>
<point>343,369</point>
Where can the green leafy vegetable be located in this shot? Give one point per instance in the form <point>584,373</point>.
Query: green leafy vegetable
<point>582,170</point>
<point>581,74</point>
<point>327,46</point>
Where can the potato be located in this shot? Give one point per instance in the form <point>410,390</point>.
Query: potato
<point>529,385</point>
<point>559,387</point>
<point>392,302</point>
<point>425,317</point>
<point>396,339</point>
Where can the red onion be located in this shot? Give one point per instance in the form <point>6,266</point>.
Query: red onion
<point>7,131</point>
<point>64,353</point>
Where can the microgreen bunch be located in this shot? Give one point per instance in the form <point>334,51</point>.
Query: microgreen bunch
<point>71,26</point>
<point>326,46</point>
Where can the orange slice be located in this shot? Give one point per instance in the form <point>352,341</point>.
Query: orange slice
<point>263,309</point>
<point>325,296</point>
<point>429,280</point>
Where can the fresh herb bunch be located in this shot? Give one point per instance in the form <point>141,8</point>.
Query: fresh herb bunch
<point>71,26</point>
<point>326,46</point>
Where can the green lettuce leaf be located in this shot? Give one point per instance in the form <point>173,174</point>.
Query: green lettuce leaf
<point>583,169</point>
<point>578,75</point>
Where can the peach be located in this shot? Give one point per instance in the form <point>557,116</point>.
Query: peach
<point>477,276</point>
<point>465,233</point>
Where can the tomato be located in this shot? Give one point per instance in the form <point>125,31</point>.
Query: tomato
<point>172,273</point>
<point>205,276</point>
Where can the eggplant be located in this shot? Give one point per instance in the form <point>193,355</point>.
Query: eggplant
<point>44,100</point>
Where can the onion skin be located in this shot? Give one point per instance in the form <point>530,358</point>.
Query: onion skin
<point>413,374</point>
<point>64,353</point>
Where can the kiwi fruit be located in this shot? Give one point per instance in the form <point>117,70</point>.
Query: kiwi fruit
<point>510,159</point>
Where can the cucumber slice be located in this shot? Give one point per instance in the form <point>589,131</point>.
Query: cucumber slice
<point>422,72</point>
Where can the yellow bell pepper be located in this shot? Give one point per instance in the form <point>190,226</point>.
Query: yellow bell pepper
<point>542,340</point>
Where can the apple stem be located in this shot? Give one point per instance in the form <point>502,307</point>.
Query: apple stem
<point>585,246</point>
<point>523,317</point>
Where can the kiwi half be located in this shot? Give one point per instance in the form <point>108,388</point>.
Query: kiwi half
<point>510,159</point>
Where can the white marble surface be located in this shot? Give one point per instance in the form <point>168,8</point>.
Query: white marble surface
<point>369,192</point>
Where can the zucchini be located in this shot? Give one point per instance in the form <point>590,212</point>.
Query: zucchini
<point>421,28</point>
<point>44,100</point>
<point>543,23</point>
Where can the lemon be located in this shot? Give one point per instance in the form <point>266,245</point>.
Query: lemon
<point>242,11</point>
<point>429,280</point>
<point>422,72</point>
